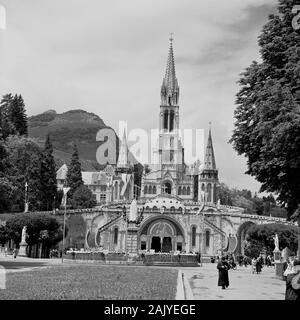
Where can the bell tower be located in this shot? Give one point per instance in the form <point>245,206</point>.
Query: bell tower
<point>170,148</point>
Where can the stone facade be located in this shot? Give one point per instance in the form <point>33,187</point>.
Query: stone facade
<point>178,209</point>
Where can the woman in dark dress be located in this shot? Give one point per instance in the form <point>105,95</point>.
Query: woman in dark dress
<point>223,268</point>
<point>258,265</point>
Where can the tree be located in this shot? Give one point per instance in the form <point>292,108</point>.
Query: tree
<point>41,228</point>
<point>33,179</point>
<point>260,237</point>
<point>48,176</point>
<point>3,235</point>
<point>17,115</point>
<point>24,158</point>
<point>6,126</point>
<point>267,127</point>
<point>225,195</point>
<point>83,198</point>
<point>74,176</point>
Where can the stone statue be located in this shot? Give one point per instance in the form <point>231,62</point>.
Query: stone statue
<point>23,239</point>
<point>276,241</point>
<point>133,212</point>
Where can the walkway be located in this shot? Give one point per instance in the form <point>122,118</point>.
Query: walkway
<point>243,284</point>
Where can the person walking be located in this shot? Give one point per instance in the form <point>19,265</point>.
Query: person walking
<point>223,268</point>
<point>258,265</point>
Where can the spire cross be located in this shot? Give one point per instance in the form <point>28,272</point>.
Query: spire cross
<point>171,37</point>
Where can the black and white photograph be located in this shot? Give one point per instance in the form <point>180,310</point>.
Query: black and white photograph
<point>150,152</point>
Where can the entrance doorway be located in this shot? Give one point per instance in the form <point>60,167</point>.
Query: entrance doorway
<point>167,244</point>
<point>155,244</point>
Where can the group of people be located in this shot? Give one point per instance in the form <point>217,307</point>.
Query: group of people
<point>257,264</point>
<point>292,277</point>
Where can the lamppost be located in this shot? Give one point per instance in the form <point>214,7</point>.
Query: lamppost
<point>26,196</point>
<point>65,213</point>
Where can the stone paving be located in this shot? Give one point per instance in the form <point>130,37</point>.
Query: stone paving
<point>244,285</point>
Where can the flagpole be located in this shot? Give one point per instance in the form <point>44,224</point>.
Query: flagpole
<point>65,213</point>
<point>63,245</point>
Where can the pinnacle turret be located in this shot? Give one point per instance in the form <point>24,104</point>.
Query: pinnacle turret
<point>209,161</point>
<point>123,154</point>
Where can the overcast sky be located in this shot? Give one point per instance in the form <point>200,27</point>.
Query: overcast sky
<point>109,57</point>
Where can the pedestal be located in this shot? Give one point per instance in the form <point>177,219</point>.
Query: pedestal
<point>277,256</point>
<point>22,250</point>
<point>278,264</point>
<point>132,241</point>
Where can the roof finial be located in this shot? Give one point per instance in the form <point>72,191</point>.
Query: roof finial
<point>171,37</point>
<point>209,125</point>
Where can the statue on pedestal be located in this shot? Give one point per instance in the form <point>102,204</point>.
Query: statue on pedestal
<point>133,211</point>
<point>23,244</point>
<point>23,238</point>
<point>276,242</point>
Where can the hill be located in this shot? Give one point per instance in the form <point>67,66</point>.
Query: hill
<point>77,126</point>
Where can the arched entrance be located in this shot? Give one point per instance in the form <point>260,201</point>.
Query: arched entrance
<point>241,236</point>
<point>161,235</point>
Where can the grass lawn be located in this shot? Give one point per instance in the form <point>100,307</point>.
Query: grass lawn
<point>91,282</point>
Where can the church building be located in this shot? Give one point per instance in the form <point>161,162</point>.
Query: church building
<point>178,207</point>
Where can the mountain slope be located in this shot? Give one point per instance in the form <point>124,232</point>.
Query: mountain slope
<point>76,126</point>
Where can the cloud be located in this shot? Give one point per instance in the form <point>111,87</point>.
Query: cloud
<point>108,57</point>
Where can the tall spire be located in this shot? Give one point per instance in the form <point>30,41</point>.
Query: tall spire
<point>123,154</point>
<point>209,161</point>
<point>169,88</point>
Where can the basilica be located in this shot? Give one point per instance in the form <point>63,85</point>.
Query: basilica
<point>177,209</point>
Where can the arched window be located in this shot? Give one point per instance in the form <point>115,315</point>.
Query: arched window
<point>203,187</point>
<point>166,120</point>
<point>209,193</point>
<point>179,191</point>
<point>154,208</point>
<point>116,233</point>
<point>172,209</point>
<point>116,190</point>
<point>184,191</point>
<point>207,238</point>
<point>171,121</point>
<point>188,191</point>
<point>145,190</point>
<point>193,236</point>
<point>154,190</point>
<point>121,187</point>
<point>150,190</point>
<point>215,194</point>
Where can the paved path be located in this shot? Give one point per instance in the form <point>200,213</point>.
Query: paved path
<point>243,284</point>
